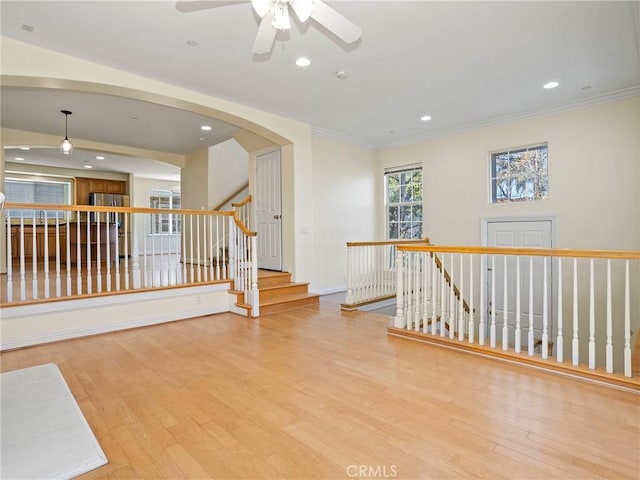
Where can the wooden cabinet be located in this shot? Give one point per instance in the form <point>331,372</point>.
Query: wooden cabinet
<point>85,186</point>
<point>107,241</point>
<point>38,232</point>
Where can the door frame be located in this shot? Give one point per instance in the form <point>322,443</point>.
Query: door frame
<point>484,240</point>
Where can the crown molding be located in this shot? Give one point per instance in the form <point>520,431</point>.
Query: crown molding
<point>541,112</point>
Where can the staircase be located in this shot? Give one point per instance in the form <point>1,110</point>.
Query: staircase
<point>279,294</point>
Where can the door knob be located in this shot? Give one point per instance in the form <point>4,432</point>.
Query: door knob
<point>277,217</point>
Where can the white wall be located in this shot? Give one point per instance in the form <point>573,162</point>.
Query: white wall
<point>594,193</point>
<point>228,170</point>
<point>594,177</point>
<point>344,189</point>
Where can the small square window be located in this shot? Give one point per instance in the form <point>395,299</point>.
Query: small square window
<point>519,175</point>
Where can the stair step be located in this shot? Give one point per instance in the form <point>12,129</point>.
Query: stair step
<point>288,303</point>
<point>269,279</point>
<point>281,290</point>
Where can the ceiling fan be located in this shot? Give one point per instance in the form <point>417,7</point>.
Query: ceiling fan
<point>275,16</point>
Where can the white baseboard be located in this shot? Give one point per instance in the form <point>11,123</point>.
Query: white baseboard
<point>329,290</point>
<point>374,306</point>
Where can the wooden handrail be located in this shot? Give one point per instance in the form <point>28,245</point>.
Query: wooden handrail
<point>242,226</point>
<point>97,208</point>
<point>232,196</point>
<point>532,252</point>
<point>388,242</point>
<point>242,203</point>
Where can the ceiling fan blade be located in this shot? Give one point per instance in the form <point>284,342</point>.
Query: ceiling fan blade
<point>266,35</point>
<point>303,8</point>
<point>336,23</point>
<point>185,6</point>
<point>262,6</point>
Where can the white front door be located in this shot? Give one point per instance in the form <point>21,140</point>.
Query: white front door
<point>269,211</point>
<point>527,234</point>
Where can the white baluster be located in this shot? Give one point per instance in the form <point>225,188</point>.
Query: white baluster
<point>471,327</point>
<point>23,281</point>
<point>492,333</point>
<point>530,339</point>
<point>117,242</point>
<point>627,323</point>
<point>211,247</point>
<point>481,323</point>
<point>225,271</point>
<point>218,247</point>
<point>191,270</point>
<point>147,228</point>
<point>418,291</point>
<point>255,292</point>
<point>34,260</point>
<point>108,243</point>
<point>68,245</point>
<point>609,344</point>
<point>99,253</point>
<point>461,303</point>
<point>452,301</point>
<point>58,284</point>
<point>575,346</point>
<point>518,336</point>
<point>559,337</point>
<point>505,309</point>
<point>349,298</point>
<point>398,320</point>
<point>434,295</point>
<point>78,256</point>
<point>426,267</point>
<point>89,277</point>
<point>444,298</point>
<point>592,318</point>
<point>545,311</point>
<point>47,285</point>
<point>9,261</point>
<point>408,309</point>
<point>135,248</point>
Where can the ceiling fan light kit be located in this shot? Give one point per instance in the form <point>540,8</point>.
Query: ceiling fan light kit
<point>274,16</point>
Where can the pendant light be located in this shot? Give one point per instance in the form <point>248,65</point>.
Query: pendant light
<point>65,146</point>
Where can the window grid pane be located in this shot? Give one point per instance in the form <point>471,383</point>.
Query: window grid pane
<point>404,204</point>
<point>519,175</point>
<point>165,223</point>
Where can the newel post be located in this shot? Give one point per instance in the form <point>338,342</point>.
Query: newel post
<point>398,320</point>
<point>255,293</point>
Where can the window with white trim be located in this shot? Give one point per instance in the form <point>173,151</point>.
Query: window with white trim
<point>403,202</point>
<point>165,223</point>
<point>44,191</point>
<point>519,175</point>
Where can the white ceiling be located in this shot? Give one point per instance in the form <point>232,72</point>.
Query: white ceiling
<point>466,64</point>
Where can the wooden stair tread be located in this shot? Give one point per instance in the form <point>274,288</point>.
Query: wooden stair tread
<point>288,298</point>
<point>283,285</point>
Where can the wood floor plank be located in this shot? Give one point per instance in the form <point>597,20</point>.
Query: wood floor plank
<point>317,393</point>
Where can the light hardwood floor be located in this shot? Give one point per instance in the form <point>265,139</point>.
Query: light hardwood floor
<point>320,393</point>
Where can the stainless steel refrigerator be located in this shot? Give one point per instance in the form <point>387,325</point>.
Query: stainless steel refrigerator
<point>112,200</point>
<point>108,200</point>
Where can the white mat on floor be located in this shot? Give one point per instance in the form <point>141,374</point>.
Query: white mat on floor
<point>43,431</point>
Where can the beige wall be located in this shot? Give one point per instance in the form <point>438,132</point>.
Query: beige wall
<point>344,189</point>
<point>594,177</point>
<point>228,170</point>
<point>28,65</point>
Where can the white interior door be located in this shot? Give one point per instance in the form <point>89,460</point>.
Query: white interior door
<point>527,234</point>
<point>269,210</point>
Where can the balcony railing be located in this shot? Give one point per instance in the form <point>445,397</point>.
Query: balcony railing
<point>570,307</point>
<point>86,250</point>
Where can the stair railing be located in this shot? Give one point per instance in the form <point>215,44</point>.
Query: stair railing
<point>66,251</point>
<point>584,316</point>
<point>244,211</point>
<point>371,271</point>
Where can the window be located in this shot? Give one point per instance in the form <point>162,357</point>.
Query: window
<point>49,192</point>
<point>519,175</point>
<point>403,187</point>
<point>165,223</point>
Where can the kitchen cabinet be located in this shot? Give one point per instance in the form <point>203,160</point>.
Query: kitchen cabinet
<point>39,233</point>
<point>85,186</point>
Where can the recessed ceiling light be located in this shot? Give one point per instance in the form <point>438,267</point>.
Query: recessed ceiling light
<point>206,128</point>
<point>99,157</point>
<point>425,118</point>
<point>20,159</point>
<point>549,85</point>
<point>192,43</point>
<point>342,74</point>
<point>27,28</point>
<point>88,166</point>
<point>303,62</point>
<point>25,148</point>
